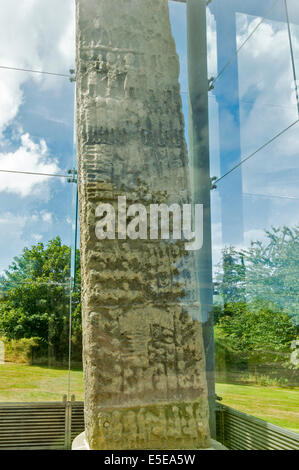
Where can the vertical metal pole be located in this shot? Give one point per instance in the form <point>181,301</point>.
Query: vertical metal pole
<point>68,426</point>
<point>200,165</point>
<point>72,287</point>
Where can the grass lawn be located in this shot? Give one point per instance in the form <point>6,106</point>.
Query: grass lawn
<point>22,383</point>
<point>276,405</point>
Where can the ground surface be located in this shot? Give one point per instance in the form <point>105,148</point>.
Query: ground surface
<point>25,383</point>
<point>273,404</point>
<point>21,383</point>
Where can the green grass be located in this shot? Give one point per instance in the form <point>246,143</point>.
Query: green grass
<point>22,383</point>
<point>276,405</point>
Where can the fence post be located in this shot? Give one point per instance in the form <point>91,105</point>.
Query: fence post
<point>220,418</point>
<point>68,425</point>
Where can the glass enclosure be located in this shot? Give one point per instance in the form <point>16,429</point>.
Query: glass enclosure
<point>254,155</point>
<point>37,205</point>
<point>253,62</point>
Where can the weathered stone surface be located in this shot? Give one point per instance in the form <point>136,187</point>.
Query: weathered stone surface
<point>144,364</point>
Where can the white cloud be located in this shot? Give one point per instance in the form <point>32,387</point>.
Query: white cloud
<point>37,237</point>
<point>29,157</point>
<point>47,217</point>
<point>266,92</point>
<point>212,44</point>
<point>35,34</point>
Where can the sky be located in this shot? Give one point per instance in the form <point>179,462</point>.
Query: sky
<point>36,123</point>
<point>37,120</point>
<point>264,99</point>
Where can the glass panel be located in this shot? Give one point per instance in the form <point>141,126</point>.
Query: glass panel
<point>253,94</point>
<point>36,142</point>
<point>256,296</point>
<point>253,145</point>
<point>265,84</point>
<point>253,63</point>
<point>292,10</point>
<point>178,21</point>
<point>226,10</point>
<point>35,266</point>
<point>142,315</point>
<point>76,386</point>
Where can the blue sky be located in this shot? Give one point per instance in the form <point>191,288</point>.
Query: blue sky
<point>36,121</point>
<point>263,97</point>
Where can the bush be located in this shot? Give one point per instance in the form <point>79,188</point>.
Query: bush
<point>20,351</point>
<point>226,358</point>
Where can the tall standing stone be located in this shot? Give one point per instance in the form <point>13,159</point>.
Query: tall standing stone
<point>144,365</point>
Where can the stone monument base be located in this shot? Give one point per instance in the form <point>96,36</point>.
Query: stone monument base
<point>80,443</point>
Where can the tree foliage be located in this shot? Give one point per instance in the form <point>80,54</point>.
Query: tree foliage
<point>265,274</point>
<point>257,330</point>
<point>272,270</point>
<point>35,297</point>
<point>257,317</point>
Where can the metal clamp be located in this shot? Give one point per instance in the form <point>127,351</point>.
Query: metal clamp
<point>213,185</point>
<point>211,84</point>
<point>72,75</point>
<point>74,178</point>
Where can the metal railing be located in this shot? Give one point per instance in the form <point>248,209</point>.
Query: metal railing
<point>39,426</point>
<point>240,431</point>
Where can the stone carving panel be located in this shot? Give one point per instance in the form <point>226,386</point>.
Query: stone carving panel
<point>144,365</point>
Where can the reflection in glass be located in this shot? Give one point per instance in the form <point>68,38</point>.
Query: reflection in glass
<point>34,283</point>
<point>254,150</point>
<point>35,218</point>
<point>256,295</point>
<point>292,10</point>
<point>252,95</point>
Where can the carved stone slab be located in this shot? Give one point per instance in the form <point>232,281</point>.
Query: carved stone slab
<point>144,365</point>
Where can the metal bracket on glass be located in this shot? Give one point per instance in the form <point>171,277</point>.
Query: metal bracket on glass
<point>72,75</point>
<point>211,83</point>
<point>73,178</point>
<point>213,185</point>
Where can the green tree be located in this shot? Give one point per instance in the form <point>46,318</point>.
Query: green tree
<point>266,274</point>
<point>35,297</point>
<point>257,316</point>
<point>259,331</point>
<point>272,270</point>
<point>231,283</point>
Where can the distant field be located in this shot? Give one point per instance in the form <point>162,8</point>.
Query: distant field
<point>276,405</point>
<point>21,383</point>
